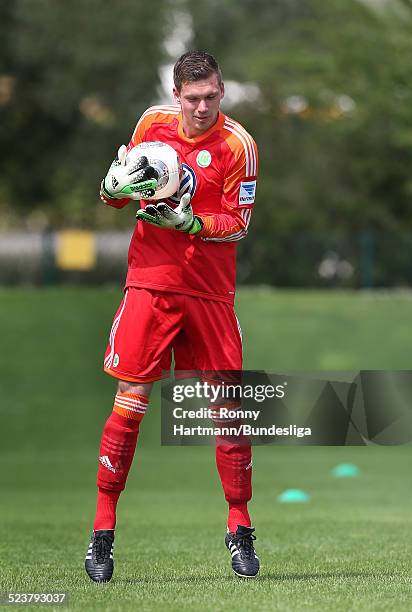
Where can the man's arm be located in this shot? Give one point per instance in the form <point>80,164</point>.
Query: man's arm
<point>225,227</point>
<point>159,114</point>
<point>238,198</point>
<point>112,202</point>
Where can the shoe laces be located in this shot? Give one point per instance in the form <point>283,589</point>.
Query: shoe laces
<point>244,542</point>
<point>102,546</point>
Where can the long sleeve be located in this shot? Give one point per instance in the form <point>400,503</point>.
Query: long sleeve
<point>115,202</point>
<point>239,189</point>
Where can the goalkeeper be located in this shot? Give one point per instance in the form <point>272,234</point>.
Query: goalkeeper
<point>180,289</point>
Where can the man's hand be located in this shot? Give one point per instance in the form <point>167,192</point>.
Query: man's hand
<point>180,218</point>
<point>134,181</point>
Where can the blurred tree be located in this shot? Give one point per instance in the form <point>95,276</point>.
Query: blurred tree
<point>79,74</point>
<point>334,118</point>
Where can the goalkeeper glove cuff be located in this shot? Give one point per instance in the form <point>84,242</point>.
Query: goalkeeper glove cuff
<point>181,218</point>
<point>196,226</point>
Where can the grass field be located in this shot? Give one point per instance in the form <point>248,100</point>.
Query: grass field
<point>349,548</point>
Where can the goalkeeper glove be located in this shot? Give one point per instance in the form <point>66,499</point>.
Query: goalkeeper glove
<point>180,218</point>
<point>134,181</point>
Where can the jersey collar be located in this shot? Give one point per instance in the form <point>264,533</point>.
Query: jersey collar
<point>219,123</point>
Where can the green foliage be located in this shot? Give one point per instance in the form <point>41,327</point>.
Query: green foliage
<point>341,162</point>
<point>82,71</point>
<point>333,120</point>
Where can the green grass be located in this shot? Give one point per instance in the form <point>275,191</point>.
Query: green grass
<point>349,548</point>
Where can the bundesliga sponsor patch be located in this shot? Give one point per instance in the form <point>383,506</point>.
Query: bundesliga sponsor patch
<point>247,192</point>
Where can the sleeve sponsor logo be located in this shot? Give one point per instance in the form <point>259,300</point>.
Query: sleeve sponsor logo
<point>247,193</point>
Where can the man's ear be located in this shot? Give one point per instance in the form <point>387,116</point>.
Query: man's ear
<point>176,95</point>
<point>222,89</point>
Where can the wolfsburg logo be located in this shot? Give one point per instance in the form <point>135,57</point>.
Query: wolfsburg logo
<point>247,192</point>
<point>203,158</point>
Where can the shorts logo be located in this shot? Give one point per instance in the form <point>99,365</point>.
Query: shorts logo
<point>116,360</point>
<point>247,192</point>
<point>203,159</point>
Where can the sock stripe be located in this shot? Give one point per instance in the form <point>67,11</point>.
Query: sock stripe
<point>131,405</point>
<point>134,407</point>
<point>128,414</point>
<point>133,398</point>
<point>128,402</point>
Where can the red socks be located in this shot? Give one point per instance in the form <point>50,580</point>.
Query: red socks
<point>117,449</point>
<point>238,515</point>
<point>234,464</point>
<point>106,509</point>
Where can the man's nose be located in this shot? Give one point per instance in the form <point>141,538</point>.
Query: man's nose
<point>202,108</point>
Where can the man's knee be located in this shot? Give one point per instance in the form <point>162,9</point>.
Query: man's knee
<point>144,389</point>
<point>132,399</point>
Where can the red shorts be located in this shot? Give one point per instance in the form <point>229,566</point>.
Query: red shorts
<point>203,334</point>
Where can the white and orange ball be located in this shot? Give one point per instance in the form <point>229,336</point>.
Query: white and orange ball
<point>165,160</point>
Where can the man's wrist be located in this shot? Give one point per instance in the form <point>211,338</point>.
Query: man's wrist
<point>196,226</point>
<point>106,193</point>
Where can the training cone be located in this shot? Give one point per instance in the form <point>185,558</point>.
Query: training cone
<point>293,496</point>
<point>346,470</point>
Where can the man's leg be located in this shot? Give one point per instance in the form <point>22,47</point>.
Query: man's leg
<point>138,352</point>
<point>234,464</point>
<point>117,447</point>
<point>212,343</point>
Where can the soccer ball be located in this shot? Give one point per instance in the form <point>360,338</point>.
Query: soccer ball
<point>165,160</point>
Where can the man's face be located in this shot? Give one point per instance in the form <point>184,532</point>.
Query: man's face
<point>200,102</point>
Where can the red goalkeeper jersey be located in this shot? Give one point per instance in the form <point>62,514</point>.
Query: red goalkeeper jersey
<point>219,171</point>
